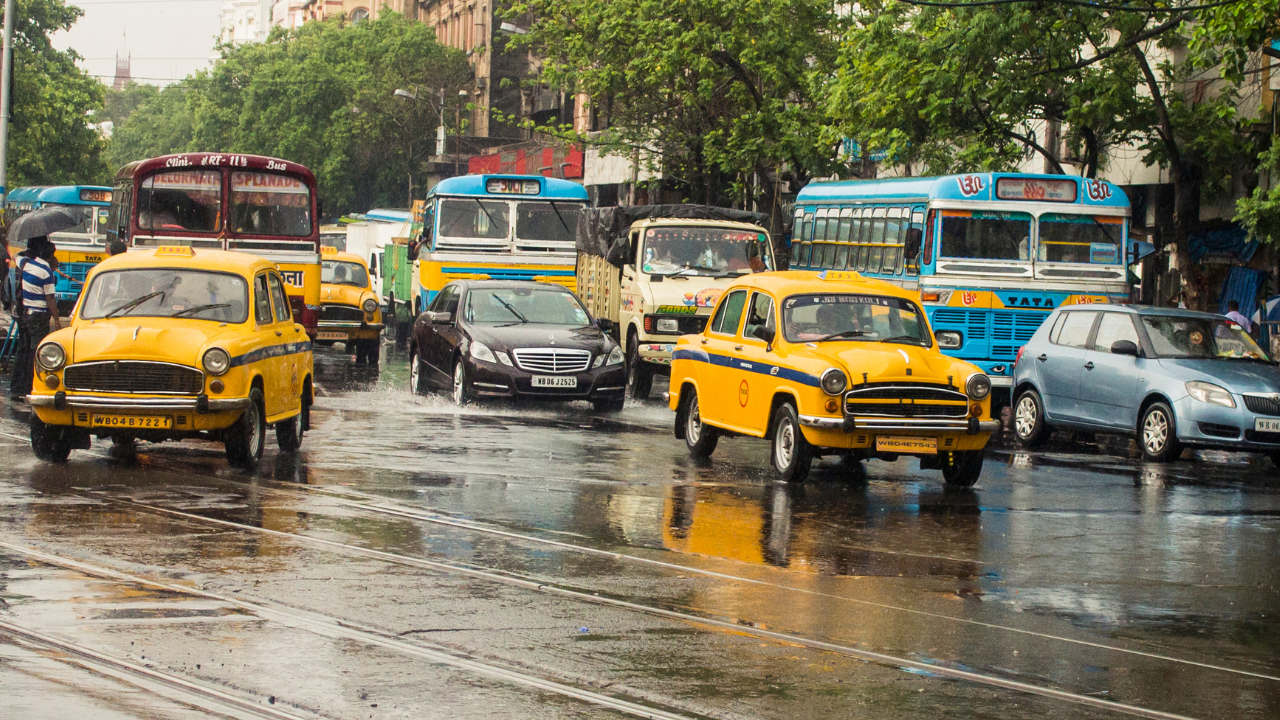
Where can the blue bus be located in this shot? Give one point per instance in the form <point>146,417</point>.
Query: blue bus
<point>80,247</point>
<point>504,227</point>
<point>991,254</point>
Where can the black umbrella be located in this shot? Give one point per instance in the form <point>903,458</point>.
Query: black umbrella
<point>43,221</point>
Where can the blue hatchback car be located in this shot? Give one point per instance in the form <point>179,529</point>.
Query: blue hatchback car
<point>1172,378</point>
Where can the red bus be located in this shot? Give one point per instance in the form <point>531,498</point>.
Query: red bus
<point>227,201</point>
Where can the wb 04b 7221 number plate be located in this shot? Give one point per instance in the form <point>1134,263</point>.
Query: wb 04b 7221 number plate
<point>552,381</point>
<point>134,422</point>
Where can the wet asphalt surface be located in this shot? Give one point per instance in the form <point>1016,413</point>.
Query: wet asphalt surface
<point>416,560</point>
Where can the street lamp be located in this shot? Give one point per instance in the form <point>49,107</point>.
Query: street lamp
<point>457,123</point>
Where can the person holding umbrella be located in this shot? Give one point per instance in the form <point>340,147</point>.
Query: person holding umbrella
<point>35,305</point>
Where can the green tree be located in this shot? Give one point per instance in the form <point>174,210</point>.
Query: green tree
<point>119,104</point>
<point>50,141</point>
<point>322,95</point>
<point>716,92</point>
<point>158,124</point>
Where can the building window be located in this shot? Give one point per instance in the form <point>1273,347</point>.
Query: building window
<point>359,14</point>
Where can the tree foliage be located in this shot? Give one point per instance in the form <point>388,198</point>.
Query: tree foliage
<point>50,141</point>
<point>714,91</point>
<point>321,95</point>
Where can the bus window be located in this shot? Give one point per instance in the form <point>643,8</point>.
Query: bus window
<point>487,219</point>
<point>912,264</point>
<point>550,221</point>
<point>985,235</point>
<point>820,227</point>
<point>181,200</point>
<point>842,250</point>
<point>806,229</point>
<point>876,250</point>
<point>269,204</point>
<point>1091,239</point>
<point>828,255</point>
<point>892,239</point>
<point>926,255</point>
<point>802,255</point>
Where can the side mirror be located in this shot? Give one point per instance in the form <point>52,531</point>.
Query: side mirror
<point>441,318</point>
<point>606,325</point>
<point>911,246</point>
<point>761,332</point>
<point>411,251</point>
<point>1124,347</point>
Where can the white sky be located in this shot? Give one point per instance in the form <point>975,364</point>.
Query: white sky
<point>169,39</point>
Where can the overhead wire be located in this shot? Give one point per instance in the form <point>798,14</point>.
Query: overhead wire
<point>1078,3</point>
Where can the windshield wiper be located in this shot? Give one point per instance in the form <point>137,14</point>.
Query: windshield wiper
<point>514,311</point>
<point>717,271</point>
<point>200,308</point>
<point>133,304</point>
<point>560,217</point>
<point>841,334</point>
<point>492,222</point>
<point>903,338</point>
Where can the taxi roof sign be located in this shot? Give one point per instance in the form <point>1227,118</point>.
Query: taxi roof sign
<point>839,275</point>
<point>174,251</point>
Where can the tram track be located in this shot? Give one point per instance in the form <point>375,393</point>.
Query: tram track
<point>542,586</point>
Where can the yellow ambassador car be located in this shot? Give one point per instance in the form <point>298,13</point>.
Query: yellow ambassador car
<point>349,309</point>
<point>829,363</point>
<point>173,343</point>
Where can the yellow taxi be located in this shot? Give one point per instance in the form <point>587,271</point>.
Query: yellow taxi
<point>829,363</point>
<point>172,343</point>
<point>349,309</point>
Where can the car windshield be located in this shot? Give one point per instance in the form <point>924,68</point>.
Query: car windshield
<point>854,318</point>
<point>704,251</point>
<point>1097,240</point>
<point>1192,337</point>
<point>337,272</point>
<point>504,306</point>
<point>167,292</point>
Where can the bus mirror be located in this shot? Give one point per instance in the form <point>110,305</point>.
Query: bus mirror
<point>911,246</point>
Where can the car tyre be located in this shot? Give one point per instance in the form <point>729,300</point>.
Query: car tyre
<point>460,393</point>
<point>1158,434</point>
<point>961,468</point>
<point>609,404</point>
<point>417,374</point>
<point>373,351</point>
<point>700,437</point>
<point>791,454</point>
<point>639,372</point>
<point>246,438</point>
<point>288,437</point>
<point>50,443</point>
<point>1028,420</point>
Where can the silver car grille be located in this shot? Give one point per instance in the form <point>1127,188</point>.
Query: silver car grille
<point>552,360</point>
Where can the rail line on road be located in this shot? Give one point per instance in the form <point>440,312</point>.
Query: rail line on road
<point>541,587</point>
<point>146,678</point>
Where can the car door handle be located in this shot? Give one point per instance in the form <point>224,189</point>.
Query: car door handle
<point>279,333</point>
<point>1088,365</point>
<point>1043,357</point>
<point>704,341</point>
<point>737,347</point>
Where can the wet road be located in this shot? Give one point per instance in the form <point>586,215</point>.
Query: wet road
<point>415,561</point>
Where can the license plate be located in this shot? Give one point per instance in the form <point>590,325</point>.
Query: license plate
<point>907,444</point>
<point>555,381</point>
<point>1265,425</point>
<point>331,335</point>
<point>134,422</point>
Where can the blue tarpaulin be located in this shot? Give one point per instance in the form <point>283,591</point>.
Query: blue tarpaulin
<point>1231,240</point>
<point>1241,285</point>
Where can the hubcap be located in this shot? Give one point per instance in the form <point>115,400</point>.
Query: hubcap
<point>1155,432</point>
<point>693,425</point>
<point>413,373</point>
<point>785,445</point>
<point>1024,420</point>
<point>255,429</point>
<point>458,384</point>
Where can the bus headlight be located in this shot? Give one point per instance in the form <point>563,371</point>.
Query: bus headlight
<point>949,339</point>
<point>978,386</point>
<point>51,356</point>
<point>216,361</point>
<point>834,381</point>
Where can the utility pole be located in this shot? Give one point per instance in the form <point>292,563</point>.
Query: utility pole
<point>6,75</point>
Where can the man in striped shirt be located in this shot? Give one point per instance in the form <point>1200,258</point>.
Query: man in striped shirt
<point>38,311</point>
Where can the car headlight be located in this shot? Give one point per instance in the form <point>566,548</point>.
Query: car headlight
<point>949,339</point>
<point>615,356</point>
<point>834,381</point>
<point>480,351</point>
<point>370,305</point>
<point>1210,393</point>
<point>978,386</point>
<point>51,356</point>
<point>216,361</point>
<point>668,325</point>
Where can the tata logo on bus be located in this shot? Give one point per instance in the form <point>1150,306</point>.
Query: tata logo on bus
<point>1097,190</point>
<point>971,185</point>
<point>1039,302</point>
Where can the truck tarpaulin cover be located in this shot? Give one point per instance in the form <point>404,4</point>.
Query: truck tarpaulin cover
<point>603,231</point>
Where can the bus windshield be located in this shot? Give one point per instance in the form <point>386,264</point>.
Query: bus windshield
<point>704,251</point>
<point>182,200</point>
<point>269,204</point>
<point>553,221</point>
<point>1093,239</point>
<point>977,235</point>
<point>81,232</point>
<point>475,218</point>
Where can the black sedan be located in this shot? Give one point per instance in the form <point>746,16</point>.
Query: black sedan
<point>530,340</point>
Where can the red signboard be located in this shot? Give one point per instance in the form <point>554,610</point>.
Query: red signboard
<point>1036,189</point>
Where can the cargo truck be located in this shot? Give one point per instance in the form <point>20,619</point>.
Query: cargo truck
<point>656,271</point>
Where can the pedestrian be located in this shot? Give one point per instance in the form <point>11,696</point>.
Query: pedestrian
<point>37,310</point>
<point>1237,317</point>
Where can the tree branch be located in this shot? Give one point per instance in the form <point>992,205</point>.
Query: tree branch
<point>740,72</point>
<point>1036,146</point>
<point>1166,126</point>
<point>1131,42</point>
